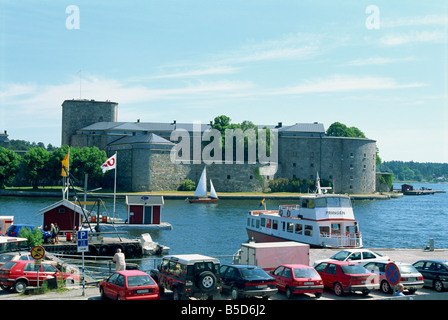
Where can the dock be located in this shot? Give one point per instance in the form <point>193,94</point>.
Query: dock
<point>101,246</point>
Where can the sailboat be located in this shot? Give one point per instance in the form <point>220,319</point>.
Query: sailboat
<point>201,191</point>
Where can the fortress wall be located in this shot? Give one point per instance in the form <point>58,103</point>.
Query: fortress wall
<point>77,114</point>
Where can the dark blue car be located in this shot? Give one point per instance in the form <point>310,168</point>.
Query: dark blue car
<point>435,273</point>
<point>243,281</point>
<point>14,231</point>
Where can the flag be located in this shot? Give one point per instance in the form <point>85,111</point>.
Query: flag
<point>262,203</point>
<point>65,163</point>
<point>110,164</point>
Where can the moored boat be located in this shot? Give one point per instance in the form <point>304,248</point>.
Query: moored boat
<point>320,220</point>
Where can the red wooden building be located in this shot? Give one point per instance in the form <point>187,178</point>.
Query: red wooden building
<point>65,213</point>
<point>144,209</point>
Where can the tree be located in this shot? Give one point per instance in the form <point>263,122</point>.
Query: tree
<point>338,129</point>
<point>87,160</point>
<point>187,185</point>
<point>9,166</point>
<point>35,162</point>
<point>34,236</point>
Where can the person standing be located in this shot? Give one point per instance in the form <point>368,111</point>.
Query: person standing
<point>119,259</point>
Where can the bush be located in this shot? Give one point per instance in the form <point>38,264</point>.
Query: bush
<point>187,185</point>
<point>34,237</point>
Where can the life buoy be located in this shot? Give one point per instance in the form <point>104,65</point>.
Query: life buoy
<point>288,213</point>
<point>281,212</point>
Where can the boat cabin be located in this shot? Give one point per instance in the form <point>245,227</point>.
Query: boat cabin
<point>144,209</point>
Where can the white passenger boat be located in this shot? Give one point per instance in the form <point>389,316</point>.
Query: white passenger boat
<point>320,220</point>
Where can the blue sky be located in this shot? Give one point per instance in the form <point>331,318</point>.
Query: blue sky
<point>384,71</point>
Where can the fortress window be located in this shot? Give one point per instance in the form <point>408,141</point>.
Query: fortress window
<point>311,165</point>
<point>228,176</point>
<point>365,167</point>
<point>351,177</point>
<point>251,177</point>
<point>351,167</point>
<point>294,164</point>
<point>294,176</point>
<point>351,155</point>
<point>351,187</point>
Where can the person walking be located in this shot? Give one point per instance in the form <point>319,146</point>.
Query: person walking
<point>119,259</point>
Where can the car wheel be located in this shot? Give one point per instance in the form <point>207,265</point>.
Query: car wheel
<point>5,287</point>
<point>176,294</point>
<point>206,281</point>
<point>234,294</point>
<point>318,295</point>
<point>19,286</point>
<point>385,287</point>
<point>438,286</point>
<point>103,296</point>
<point>289,293</point>
<point>338,290</point>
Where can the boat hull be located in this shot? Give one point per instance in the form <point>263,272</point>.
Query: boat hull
<point>206,200</point>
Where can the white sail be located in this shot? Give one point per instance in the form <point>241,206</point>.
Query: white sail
<point>212,191</point>
<point>201,189</point>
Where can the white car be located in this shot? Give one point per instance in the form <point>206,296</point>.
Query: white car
<point>356,255</point>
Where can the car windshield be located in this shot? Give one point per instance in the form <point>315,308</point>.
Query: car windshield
<point>305,273</point>
<point>9,265</point>
<point>407,269</point>
<point>354,269</point>
<point>140,280</point>
<point>341,256</point>
<point>253,273</point>
<point>6,257</point>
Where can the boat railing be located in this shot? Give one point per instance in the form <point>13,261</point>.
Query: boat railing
<point>345,239</point>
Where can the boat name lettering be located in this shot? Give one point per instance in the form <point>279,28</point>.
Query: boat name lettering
<point>336,212</point>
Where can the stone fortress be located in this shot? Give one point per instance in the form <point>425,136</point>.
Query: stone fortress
<point>144,163</point>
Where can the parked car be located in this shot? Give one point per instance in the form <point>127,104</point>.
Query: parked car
<point>346,276</point>
<point>410,278</point>
<point>14,256</point>
<point>243,281</point>
<point>297,279</point>
<point>14,231</point>
<point>17,275</point>
<point>189,275</point>
<point>435,273</point>
<point>129,285</point>
<point>355,255</point>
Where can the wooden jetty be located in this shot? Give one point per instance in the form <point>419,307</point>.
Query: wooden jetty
<point>98,246</point>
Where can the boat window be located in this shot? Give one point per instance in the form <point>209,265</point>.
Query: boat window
<point>299,228</point>
<point>253,222</point>
<point>263,222</point>
<point>308,230</point>
<point>248,222</point>
<point>275,225</point>
<point>311,204</point>
<point>336,228</point>
<point>290,227</point>
<point>257,224</point>
<point>268,223</point>
<point>324,230</point>
<point>308,203</point>
<point>283,225</point>
<point>346,203</point>
<point>321,202</point>
<point>333,202</point>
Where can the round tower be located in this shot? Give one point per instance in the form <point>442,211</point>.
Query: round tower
<point>77,114</point>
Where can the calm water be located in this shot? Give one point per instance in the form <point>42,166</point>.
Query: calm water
<point>219,229</point>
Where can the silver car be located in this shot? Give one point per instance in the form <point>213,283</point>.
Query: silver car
<point>410,278</point>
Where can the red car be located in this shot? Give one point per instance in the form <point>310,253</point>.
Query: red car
<point>17,275</point>
<point>345,276</point>
<point>298,279</point>
<point>130,285</point>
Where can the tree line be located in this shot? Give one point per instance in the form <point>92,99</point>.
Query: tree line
<point>40,167</point>
<point>416,171</point>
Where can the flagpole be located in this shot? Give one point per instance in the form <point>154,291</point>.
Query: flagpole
<point>115,182</point>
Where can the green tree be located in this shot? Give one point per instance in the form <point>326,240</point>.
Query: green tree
<point>88,160</point>
<point>338,129</point>
<point>34,237</point>
<point>35,162</point>
<point>9,166</point>
<point>187,185</point>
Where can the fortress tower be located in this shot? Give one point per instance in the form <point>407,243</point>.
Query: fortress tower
<point>77,114</point>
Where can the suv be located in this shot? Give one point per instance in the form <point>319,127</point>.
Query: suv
<point>17,275</point>
<point>189,275</point>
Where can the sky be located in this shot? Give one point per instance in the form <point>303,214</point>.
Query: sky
<point>377,65</point>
